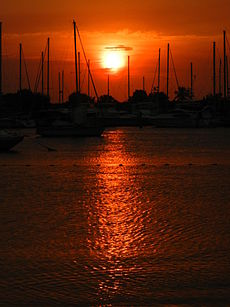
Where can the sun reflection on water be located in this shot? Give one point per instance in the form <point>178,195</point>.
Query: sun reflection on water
<point>115,224</point>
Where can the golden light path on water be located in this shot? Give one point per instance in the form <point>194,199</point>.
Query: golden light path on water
<point>116,225</point>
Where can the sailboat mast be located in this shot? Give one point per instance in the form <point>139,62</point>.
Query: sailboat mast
<point>227,76</point>
<point>59,87</point>
<point>88,78</point>
<point>143,83</point>
<point>220,68</point>
<point>75,54</point>
<point>128,77</point>
<point>191,79</point>
<point>48,67</point>
<point>168,71</point>
<point>20,67</point>
<point>62,91</point>
<point>91,77</point>
<point>108,86</point>
<point>42,73</point>
<point>214,69</point>
<point>225,92</point>
<point>0,58</point>
<point>159,69</point>
<point>79,72</point>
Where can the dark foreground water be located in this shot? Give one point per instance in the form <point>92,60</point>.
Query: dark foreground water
<point>137,217</point>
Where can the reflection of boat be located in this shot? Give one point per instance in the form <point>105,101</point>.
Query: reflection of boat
<point>9,140</point>
<point>176,119</point>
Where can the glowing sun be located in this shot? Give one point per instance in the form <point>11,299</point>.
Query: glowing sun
<point>113,60</point>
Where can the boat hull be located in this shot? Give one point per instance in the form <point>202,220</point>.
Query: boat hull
<point>174,123</point>
<point>176,119</point>
<point>7,143</point>
<point>70,131</point>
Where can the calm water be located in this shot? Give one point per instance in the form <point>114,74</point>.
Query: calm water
<point>137,217</point>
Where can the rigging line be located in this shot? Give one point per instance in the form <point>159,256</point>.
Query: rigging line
<point>154,78</point>
<point>84,77</point>
<point>40,70</point>
<point>87,63</point>
<point>27,75</point>
<point>177,82</point>
<point>38,76</point>
<point>209,69</point>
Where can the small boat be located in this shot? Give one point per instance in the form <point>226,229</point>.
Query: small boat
<point>9,139</point>
<point>76,122</point>
<point>176,119</point>
<point>70,130</point>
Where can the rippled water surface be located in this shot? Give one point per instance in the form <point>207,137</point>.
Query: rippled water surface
<point>136,217</point>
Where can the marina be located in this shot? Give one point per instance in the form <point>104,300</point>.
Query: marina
<point>115,154</point>
<point>26,107</point>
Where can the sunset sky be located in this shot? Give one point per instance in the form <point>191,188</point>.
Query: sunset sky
<point>136,28</point>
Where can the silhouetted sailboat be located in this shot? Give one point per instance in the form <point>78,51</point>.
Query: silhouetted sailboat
<point>81,121</point>
<point>8,140</point>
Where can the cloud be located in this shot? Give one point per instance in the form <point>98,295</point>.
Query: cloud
<point>119,48</point>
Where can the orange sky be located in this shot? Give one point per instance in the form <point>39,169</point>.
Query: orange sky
<point>140,26</point>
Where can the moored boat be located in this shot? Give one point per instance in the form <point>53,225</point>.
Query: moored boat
<point>70,130</point>
<point>70,125</point>
<point>176,119</point>
<point>9,139</point>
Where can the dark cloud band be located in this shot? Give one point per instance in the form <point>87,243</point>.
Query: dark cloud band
<point>119,47</point>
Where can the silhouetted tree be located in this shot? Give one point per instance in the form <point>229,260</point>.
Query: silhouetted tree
<point>23,103</point>
<point>139,96</point>
<point>79,98</point>
<point>106,99</point>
